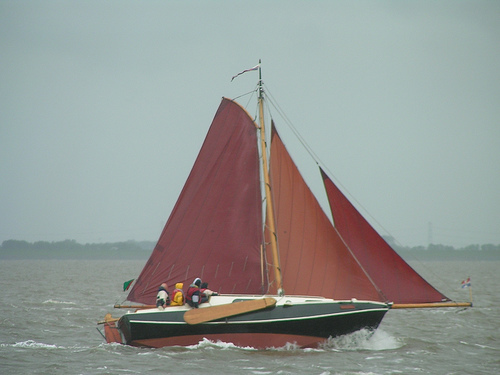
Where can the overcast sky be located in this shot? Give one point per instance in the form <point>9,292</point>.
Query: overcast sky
<point>104,106</point>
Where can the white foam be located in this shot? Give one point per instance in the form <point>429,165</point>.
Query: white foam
<point>287,347</point>
<point>52,301</point>
<point>363,340</point>
<point>205,343</point>
<point>34,344</point>
<point>359,340</point>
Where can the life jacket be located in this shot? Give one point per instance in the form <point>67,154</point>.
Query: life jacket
<point>193,295</point>
<point>177,295</point>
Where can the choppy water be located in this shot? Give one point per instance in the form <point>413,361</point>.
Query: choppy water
<point>49,311</point>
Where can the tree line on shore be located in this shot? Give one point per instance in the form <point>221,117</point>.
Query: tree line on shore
<point>16,249</point>
<point>70,249</point>
<point>440,248</point>
<point>73,245</point>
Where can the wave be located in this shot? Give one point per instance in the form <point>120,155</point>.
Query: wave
<point>359,340</point>
<point>205,343</point>
<point>32,344</point>
<point>363,340</point>
<point>51,301</point>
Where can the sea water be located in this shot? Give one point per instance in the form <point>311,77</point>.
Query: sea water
<point>49,310</point>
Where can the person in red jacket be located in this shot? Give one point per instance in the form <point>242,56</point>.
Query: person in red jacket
<point>193,297</point>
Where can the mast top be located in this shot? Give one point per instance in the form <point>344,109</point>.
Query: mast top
<point>261,91</point>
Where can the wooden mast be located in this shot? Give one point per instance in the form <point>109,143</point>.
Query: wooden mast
<point>269,205</point>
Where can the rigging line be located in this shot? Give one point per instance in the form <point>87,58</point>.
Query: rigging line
<point>377,289</point>
<point>280,111</point>
<point>251,97</point>
<point>319,162</point>
<point>245,94</point>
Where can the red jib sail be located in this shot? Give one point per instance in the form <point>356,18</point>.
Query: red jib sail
<point>215,229</point>
<point>314,259</point>
<point>397,280</point>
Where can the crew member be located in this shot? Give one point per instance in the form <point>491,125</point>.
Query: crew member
<point>206,293</point>
<point>178,295</point>
<point>193,293</point>
<point>162,298</point>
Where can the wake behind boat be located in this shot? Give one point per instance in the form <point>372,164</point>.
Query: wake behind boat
<point>267,261</point>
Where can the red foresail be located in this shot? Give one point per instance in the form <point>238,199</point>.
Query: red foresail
<point>392,275</point>
<point>314,260</point>
<point>215,229</point>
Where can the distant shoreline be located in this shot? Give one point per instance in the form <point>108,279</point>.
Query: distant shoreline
<point>437,255</point>
<point>70,249</point>
<point>72,255</point>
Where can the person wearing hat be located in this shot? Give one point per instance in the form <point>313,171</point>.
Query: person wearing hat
<point>162,298</point>
<point>193,293</point>
<point>177,295</point>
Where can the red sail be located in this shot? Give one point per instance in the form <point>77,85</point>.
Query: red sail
<point>215,229</point>
<point>314,260</point>
<point>397,280</point>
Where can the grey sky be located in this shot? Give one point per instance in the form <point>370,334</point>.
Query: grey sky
<point>104,105</point>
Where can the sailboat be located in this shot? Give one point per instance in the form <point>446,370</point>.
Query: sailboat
<point>248,224</point>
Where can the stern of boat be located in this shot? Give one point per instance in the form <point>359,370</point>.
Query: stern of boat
<point>111,331</point>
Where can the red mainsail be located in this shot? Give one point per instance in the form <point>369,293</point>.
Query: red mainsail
<point>397,280</point>
<point>314,260</point>
<point>215,229</point>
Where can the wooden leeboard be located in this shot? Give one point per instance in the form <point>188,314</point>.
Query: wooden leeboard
<point>111,332</point>
<point>207,314</point>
